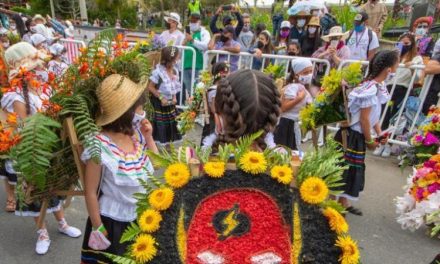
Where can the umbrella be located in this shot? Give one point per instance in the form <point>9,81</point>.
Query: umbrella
<point>306,6</point>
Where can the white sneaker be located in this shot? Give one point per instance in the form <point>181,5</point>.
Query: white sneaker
<point>386,151</point>
<point>378,151</point>
<point>70,231</point>
<point>43,242</point>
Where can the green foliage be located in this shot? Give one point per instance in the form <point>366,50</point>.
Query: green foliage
<point>275,71</point>
<point>333,204</point>
<point>345,15</point>
<point>118,259</point>
<point>164,158</point>
<point>39,7</point>
<point>278,157</point>
<point>33,154</point>
<point>261,17</point>
<point>225,151</point>
<point>244,144</point>
<point>203,153</point>
<point>327,163</point>
<point>130,233</point>
<point>22,10</point>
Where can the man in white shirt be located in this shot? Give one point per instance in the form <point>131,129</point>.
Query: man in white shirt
<point>363,42</point>
<point>173,36</point>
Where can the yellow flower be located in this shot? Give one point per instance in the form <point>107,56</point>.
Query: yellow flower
<point>161,199</point>
<point>177,175</point>
<point>314,190</point>
<point>253,162</point>
<point>350,251</point>
<point>336,221</point>
<point>144,249</point>
<point>215,169</point>
<point>150,221</point>
<point>283,174</point>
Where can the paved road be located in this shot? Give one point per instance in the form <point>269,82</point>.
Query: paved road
<point>380,237</point>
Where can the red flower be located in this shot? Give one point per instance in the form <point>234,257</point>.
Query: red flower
<point>84,68</point>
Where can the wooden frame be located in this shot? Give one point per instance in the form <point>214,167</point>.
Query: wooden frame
<point>70,134</point>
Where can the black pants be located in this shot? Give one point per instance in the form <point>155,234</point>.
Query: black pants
<point>396,99</point>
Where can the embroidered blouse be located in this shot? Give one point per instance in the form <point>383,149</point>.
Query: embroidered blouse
<point>57,67</point>
<point>167,86</point>
<point>368,94</point>
<point>35,101</point>
<point>120,177</point>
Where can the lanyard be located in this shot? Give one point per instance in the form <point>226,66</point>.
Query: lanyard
<point>359,40</point>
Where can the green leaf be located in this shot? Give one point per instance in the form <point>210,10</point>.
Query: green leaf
<point>130,233</point>
<point>118,259</point>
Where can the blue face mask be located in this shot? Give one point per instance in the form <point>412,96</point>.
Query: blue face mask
<point>359,28</point>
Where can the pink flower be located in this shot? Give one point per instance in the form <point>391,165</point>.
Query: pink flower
<point>419,193</point>
<point>433,187</point>
<point>418,138</point>
<point>435,119</point>
<point>430,164</point>
<point>422,172</point>
<point>430,140</point>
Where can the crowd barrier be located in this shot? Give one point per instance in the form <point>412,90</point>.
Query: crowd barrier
<point>72,48</point>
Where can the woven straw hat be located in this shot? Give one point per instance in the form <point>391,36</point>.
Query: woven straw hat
<point>23,55</point>
<point>116,95</point>
<point>336,31</point>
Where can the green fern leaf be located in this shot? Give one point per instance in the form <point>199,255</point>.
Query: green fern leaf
<point>130,233</point>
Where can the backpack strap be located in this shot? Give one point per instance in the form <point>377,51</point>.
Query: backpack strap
<point>349,37</point>
<point>370,39</point>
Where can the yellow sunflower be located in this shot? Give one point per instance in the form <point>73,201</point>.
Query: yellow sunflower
<point>336,220</point>
<point>150,221</point>
<point>177,175</point>
<point>253,162</point>
<point>144,249</point>
<point>314,190</point>
<point>283,174</point>
<point>161,199</point>
<point>350,251</point>
<point>215,169</point>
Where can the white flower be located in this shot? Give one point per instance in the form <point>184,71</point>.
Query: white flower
<point>412,220</point>
<point>404,204</point>
<point>200,85</point>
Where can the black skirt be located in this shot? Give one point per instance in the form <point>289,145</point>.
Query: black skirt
<point>164,122</point>
<point>10,177</point>
<point>354,155</point>
<point>285,133</point>
<point>115,229</point>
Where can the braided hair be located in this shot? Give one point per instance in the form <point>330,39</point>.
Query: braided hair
<point>248,102</point>
<point>25,89</point>
<point>168,56</point>
<point>382,60</point>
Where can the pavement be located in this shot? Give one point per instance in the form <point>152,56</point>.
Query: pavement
<point>380,238</point>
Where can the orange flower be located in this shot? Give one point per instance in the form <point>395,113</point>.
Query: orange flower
<point>84,67</point>
<point>12,119</point>
<point>435,158</point>
<point>192,115</point>
<point>83,50</point>
<point>119,37</point>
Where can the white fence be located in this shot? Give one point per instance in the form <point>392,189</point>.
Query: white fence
<point>72,48</point>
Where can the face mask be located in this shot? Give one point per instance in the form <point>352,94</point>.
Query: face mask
<point>420,31</point>
<point>33,30</point>
<point>71,28</point>
<point>315,13</point>
<point>405,49</point>
<point>260,44</point>
<point>301,22</point>
<point>334,43</point>
<point>291,53</point>
<point>12,27</point>
<point>312,30</point>
<point>5,45</point>
<point>305,79</point>
<point>391,76</point>
<point>224,39</point>
<point>284,34</point>
<point>194,27</point>
<point>246,28</point>
<point>137,119</point>
<point>359,28</point>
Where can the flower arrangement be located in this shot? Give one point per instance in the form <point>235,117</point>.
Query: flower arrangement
<point>275,71</point>
<point>9,137</point>
<point>186,120</point>
<point>152,43</point>
<point>329,106</point>
<point>164,211</point>
<point>420,205</point>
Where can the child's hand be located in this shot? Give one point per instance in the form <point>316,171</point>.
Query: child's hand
<point>146,128</point>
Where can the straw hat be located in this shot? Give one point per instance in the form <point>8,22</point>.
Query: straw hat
<point>336,32</point>
<point>39,17</point>
<point>173,17</point>
<point>116,95</point>
<point>314,21</point>
<point>22,55</point>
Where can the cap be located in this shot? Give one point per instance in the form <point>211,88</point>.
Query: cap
<point>361,17</point>
<point>285,24</point>
<point>196,15</point>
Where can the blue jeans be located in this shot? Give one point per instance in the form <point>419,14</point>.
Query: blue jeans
<point>276,22</point>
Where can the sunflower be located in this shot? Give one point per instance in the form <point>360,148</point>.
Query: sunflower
<point>215,169</point>
<point>314,190</point>
<point>336,220</point>
<point>253,162</point>
<point>177,175</point>
<point>144,249</point>
<point>350,251</point>
<point>283,174</point>
<point>161,199</point>
<point>150,221</point>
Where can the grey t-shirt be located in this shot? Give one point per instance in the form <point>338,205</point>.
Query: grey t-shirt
<point>245,40</point>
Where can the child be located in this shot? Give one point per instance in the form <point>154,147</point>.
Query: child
<point>364,104</point>
<point>219,70</point>
<point>109,186</point>
<point>57,64</point>
<point>294,98</point>
<point>163,87</point>
<point>26,100</point>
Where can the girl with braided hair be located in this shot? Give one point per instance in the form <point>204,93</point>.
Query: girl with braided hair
<point>24,98</point>
<point>364,104</point>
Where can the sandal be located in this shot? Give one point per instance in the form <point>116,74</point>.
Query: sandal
<point>10,206</point>
<point>354,210</point>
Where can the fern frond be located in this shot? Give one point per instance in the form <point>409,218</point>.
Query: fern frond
<point>130,233</point>
<point>244,143</point>
<point>118,259</point>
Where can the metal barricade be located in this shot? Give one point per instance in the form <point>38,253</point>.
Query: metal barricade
<point>72,48</point>
<point>190,91</point>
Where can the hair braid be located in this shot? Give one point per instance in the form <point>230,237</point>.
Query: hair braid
<point>382,60</point>
<point>26,96</point>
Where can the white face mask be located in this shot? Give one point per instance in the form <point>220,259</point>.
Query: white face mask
<point>194,27</point>
<point>312,30</point>
<point>5,45</point>
<point>33,29</point>
<point>12,27</point>
<point>305,79</point>
<point>334,43</point>
<point>137,119</point>
<point>301,22</point>
<point>420,31</point>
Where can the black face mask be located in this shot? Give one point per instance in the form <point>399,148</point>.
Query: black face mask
<point>406,49</point>
<point>260,45</point>
<point>291,53</point>
<point>224,39</point>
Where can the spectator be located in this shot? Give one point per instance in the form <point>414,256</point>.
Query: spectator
<point>283,38</point>
<point>298,22</point>
<point>30,29</point>
<point>195,7</point>
<point>118,23</point>
<point>198,39</point>
<point>327,22</point>
<point>57,65</point>
<point>362,41</point>
<point>277,16</point>
<point>17,25</point>
<point>409,57</point>
<point>436,48</point>
<point>227,21</point>
<point>173,36</point>
<point>40,28</point>
<point>377,13</point>
<point>96,23</point>
<point>294,48</point>
<point>4,40</point>
<point>225,41</point>
<point>425,43</point>
<point>433,67</point>
<point>246,35</point>
<point>334,49</point>
<point>263,46</point>
<point>311,41</point>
